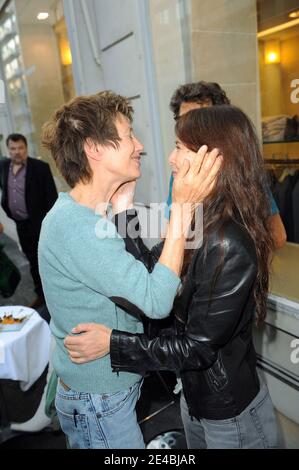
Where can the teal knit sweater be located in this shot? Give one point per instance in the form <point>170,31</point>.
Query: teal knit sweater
<point>83,263</point>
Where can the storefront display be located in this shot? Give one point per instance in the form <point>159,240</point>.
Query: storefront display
<point>277,343</point>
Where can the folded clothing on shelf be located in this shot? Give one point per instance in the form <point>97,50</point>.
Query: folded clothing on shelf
<point>280,127</point>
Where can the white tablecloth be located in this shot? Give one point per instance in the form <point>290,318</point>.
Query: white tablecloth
<point>24,354</point>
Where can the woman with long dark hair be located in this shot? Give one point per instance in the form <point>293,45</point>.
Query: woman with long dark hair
<point>224,404</point>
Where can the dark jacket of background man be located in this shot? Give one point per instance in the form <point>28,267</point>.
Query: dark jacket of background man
<point>40,190</point>
<point>28,193</point>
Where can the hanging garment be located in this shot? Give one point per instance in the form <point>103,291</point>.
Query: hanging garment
<point>295,203</point>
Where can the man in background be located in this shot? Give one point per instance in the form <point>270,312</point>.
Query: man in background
<point>203,94</point>
<point>28,193</point>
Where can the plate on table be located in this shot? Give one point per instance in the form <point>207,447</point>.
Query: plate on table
<point>13,319</point>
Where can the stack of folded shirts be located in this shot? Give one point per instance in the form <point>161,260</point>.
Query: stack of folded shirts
<point>273,127</point>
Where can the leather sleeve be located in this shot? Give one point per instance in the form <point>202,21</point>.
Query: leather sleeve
<point>223,283</point>
<point>128,227</point>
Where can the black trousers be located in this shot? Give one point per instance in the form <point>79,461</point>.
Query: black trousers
<point>28,233</point>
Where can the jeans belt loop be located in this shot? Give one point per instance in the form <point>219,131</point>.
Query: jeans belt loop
<point>66,388</point>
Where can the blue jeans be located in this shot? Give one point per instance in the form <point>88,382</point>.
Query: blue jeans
<point>254,428</point>
<point>106,421</point>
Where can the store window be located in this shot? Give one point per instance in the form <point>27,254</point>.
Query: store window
<point>278,45</point>
<point>36,65</point>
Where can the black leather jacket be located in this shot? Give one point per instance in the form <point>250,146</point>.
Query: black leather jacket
<point>211,345</point>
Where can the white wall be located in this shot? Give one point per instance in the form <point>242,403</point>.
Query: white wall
<point>120,40</point>
<point>171,35</point>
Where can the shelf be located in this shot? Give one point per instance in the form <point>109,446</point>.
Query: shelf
<point>281,161</point>
<point>282,141</point>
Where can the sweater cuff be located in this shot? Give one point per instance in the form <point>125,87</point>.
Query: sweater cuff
<point>167,277</point>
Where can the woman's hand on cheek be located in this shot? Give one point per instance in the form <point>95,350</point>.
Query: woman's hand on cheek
<point>194,181</point>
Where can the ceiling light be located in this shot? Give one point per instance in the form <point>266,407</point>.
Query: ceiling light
<point>43,16</point>
<point>272,52</point>
<point>280,27</point>
<point>294,14</point>
<point>65,52</point>
<point>272,58</point>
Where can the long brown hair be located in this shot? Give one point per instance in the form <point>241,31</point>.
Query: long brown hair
<point>240,192</point>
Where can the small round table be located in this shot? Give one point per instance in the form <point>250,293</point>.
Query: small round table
<point>24,354</point>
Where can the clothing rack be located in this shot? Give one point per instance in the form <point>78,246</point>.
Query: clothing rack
<point>282,161</point>
<point>276,163</point>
